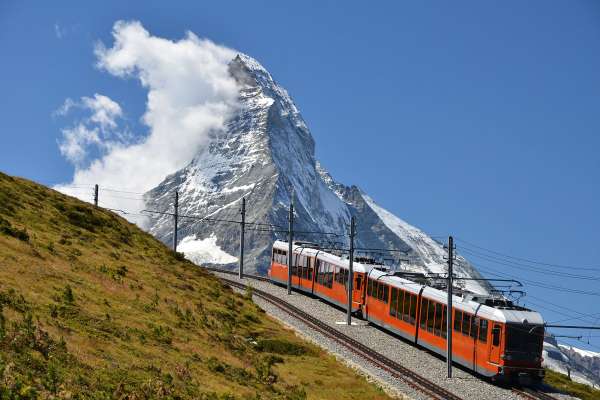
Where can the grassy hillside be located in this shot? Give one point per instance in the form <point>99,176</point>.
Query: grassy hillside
<point>92,307</point>
<point>565,385</point>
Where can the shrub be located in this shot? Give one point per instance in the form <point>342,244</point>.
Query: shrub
<point>161,334</point>
<point>8,229</point>
<point>68,295</point>
<point>280,346</point>
<point>263,368</point>
<point>122,271</point>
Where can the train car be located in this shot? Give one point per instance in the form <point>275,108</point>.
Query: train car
<point>491,336</point>
<point>317,272</point>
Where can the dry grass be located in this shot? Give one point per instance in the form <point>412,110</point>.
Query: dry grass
<point>92,307</point>
<point>565,385</point>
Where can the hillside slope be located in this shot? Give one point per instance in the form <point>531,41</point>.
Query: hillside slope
<point>92,307</point>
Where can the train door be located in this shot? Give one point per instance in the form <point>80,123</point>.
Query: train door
<point>357,286</point>
<point>495,343</point>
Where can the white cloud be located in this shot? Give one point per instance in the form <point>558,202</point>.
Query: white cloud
<point>99,130</point>
<point>65,108</point>
<point>75,142</point>
<point>105,111</point>
<point>190,93</point>
<point>59,31</point>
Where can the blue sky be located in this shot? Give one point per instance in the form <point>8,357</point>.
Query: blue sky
<point>479,119</point>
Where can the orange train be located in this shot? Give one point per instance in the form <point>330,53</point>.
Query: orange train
<point>491,335</point>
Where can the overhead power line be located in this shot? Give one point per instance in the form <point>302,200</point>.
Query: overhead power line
<point>587,268</point>
<point>540,270</point>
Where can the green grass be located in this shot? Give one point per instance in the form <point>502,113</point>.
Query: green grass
<point>564,384</point>
<point>92,307</point>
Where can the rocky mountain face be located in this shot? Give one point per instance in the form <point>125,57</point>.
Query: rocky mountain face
<point>266,155</point>
<point>583,365</point>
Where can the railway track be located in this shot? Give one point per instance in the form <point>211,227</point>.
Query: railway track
<point>532,394</point>
<point>409,377</point>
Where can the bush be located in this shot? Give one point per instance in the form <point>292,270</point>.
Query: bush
<point>122,271</point>
<point>8,229</point>
<point>68,295</point>
<point>280,346</point>
<point>263,368</point>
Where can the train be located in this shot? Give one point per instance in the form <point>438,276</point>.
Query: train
<point>492,336</point>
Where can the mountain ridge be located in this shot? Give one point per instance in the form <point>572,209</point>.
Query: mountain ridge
<point>267,155</point>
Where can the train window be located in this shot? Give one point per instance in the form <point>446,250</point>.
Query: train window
<point>319,272</point>
<point>496,335</point>
<point>400,303</point>
<point>430,316</point>
<point>370,287</point>
<point>359,282</point>
<point>329,281</point>
<point>393,305</point>
<point>474,326</point>
<point>444,324</point>
<point>483,329</point>
<point>457,320</point>
<point>404,305</point>
<point>438,319</point>
<point>413,309</point>
<point>294,267</point>
<point>466,323</point>
<point>385,293</point>
<point>424,303</point>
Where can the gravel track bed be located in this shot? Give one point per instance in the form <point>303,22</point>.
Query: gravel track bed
<point>428,365</point>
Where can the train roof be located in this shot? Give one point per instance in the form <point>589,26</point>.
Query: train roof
<point>470,302</point>
<point>311,249</point>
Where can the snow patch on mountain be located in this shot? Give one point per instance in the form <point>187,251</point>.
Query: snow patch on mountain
<point>204,251</point>
<point>581,352</point>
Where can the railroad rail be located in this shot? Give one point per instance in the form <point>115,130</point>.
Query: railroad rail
<point>532,394</point>
<point>409,377</point>
<point>398,371</point>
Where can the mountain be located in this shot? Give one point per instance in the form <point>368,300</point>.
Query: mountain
<point>583,365</point>
<point>267,155</point>
<point>93,307</point>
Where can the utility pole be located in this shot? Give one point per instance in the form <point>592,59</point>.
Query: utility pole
<point>96,195</point>
<point>290,245</point>
<point>351,271</point>
<point>176,215</point>
<point>449,306</point>
<point>242,227</point>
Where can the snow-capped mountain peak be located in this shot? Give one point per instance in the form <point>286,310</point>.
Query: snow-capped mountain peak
<point>265,154</point>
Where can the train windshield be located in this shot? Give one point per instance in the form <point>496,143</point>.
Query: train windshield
<point>524,338</point>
